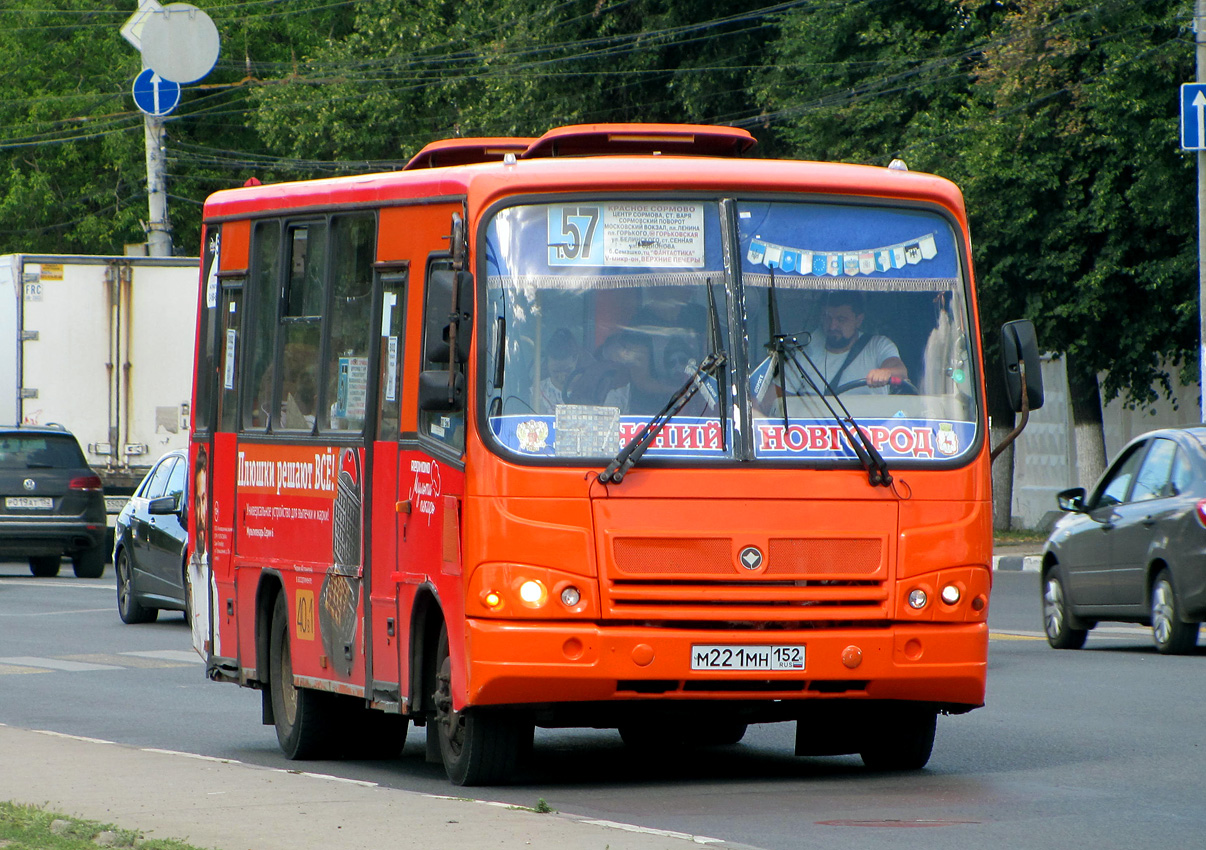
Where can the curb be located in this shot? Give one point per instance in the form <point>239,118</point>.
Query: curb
<point>1017,563</point>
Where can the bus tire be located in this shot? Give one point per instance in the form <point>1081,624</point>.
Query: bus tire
<point>303,717</point>
<point>479,746</point>
<point>903,739</point>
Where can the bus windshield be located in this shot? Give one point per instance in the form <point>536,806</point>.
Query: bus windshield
<point>598,311</point>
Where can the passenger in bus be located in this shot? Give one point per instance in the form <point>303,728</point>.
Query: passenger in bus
<point>619,376</point>
<point>559,362</point>
<point>679,360</point>
<point>843,353</point>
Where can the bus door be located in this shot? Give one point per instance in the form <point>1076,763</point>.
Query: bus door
<point>431,482</point>
<point>388,639</point>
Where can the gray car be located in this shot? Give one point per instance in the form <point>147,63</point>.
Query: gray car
<point>1134,549</point>
<point>51,502</point>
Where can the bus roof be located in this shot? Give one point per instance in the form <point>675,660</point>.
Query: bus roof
<point>642,159</point>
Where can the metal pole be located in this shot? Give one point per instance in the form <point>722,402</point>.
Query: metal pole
<point>158,228</point>
<point>1199,37</point>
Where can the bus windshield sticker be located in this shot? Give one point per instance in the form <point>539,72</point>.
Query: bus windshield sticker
<point>627,234</point>
<point>590,431</point>
<point>584,430</point>
<point>896,438</point>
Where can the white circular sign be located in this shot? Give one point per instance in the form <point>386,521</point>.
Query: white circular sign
<point>180,43</point>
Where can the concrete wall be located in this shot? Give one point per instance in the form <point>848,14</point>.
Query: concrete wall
<point>1045,453</point>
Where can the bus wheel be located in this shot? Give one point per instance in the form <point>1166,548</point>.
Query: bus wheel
<point>303,716</point>
<point>479,746</point>
<point>902,740</point>
<point>719,733</point>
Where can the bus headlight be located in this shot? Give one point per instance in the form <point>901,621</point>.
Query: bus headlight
<point>533,594</point>
<point>951,594</point>
<point>917,599</point>
<point>520,590</point>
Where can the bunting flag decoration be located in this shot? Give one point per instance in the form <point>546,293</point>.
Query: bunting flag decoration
<point>842,263</point>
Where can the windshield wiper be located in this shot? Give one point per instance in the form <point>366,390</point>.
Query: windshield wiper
<point>781,348</point>
<point>868,455</point>
<point>634,448</point>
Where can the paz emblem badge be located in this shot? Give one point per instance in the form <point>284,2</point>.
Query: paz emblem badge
<point>29,484</point>
<point>751,557</point>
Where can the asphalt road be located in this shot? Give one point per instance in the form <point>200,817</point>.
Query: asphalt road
<point>1102,746</point>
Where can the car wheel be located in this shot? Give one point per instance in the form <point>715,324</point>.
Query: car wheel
<point>1172,635</point>
<point>44,566</point>
<point>128,607</point>
<point>90,563</point>
<point>304,717</point>
<point>479,746</point>
<point>903,739</point>
<point>1057,618</point>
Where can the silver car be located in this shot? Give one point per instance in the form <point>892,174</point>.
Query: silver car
<point>1134,549</point>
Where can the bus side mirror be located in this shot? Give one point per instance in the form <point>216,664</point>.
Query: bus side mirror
<point>441,391</point>
<point>1019,351</point>
<point>443,286</point>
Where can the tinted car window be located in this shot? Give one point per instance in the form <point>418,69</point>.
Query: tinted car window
<point>1182,475</point>
<point>1152,480</point>
<point>1115,487</point>
<point>157,486</point>
<point>176,479</point>
<point>40,451</point>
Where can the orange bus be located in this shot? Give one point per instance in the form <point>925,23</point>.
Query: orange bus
<point>610,428</point>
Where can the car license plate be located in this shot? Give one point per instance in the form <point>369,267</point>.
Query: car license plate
<point>744,657</point>
<point>38,503</point>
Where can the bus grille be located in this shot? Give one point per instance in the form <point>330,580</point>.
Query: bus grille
<point>803,579</point>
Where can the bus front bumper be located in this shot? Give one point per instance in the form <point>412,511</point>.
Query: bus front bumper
<point>526,663</point>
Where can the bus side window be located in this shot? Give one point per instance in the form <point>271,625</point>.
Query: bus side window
<point>353,247</point>
<point>260,330</point>
<point>229,354</point>
<point>302,327</point>
<point>447,427</point>
<point>393,321</point>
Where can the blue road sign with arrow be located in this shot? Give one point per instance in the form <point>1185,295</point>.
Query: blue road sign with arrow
<point>1193,116</point>
<point>154,95</point>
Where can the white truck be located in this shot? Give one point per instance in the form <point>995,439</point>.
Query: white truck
<point>102,345</point>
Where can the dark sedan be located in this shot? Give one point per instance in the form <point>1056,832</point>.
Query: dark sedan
<point>1134,549</point>
<point>51,502</point>
<point>149,544</point>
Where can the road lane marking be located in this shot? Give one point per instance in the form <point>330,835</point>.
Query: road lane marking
<point>64,664</point>
<point>182,655</point>
<point>57,613</point>
<point>6,669</point>
<point>87,662</point>
<point>124,661</point>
